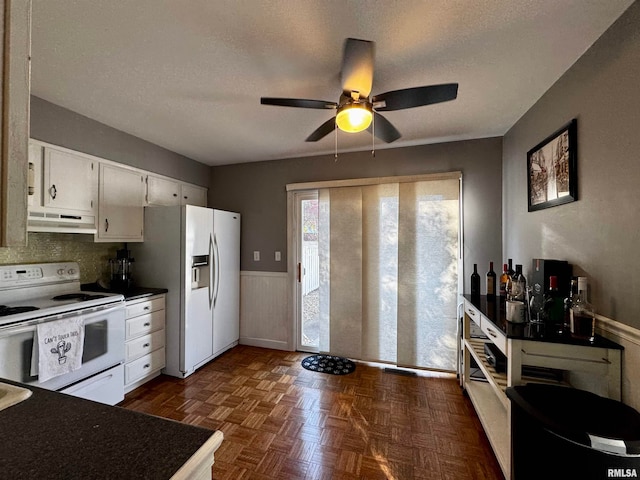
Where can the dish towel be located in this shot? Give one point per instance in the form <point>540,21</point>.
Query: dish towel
<point>57,347</point>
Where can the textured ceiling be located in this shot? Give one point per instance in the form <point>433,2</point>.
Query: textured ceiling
<point>188,74</point>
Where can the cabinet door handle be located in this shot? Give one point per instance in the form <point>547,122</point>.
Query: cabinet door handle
<point>147,324</point>
<point>472,313</point>
<point>492,333</point>
<point>106,224</point>
<point>146,366</point>
<point>146,345</point>
<point>146,308</point>
<point>31,178</point>
<point>53,192</point>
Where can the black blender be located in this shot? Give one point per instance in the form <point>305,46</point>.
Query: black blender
<point>121,278</point>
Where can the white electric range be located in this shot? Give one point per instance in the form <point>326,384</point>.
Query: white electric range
<point>32,294</point>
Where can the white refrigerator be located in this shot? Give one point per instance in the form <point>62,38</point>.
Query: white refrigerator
<point>194,252</point>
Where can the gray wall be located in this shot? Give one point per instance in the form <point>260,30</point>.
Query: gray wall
<point>54,124</point>
<point>257,191</point>
<point>600,233</point>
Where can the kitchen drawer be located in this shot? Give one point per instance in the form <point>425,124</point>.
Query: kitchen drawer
<point>143,345</point>
<point>143,307</point>
<point>144,324</point>
<point>473,312</point>
<point>144,366</point>
<point>495,335</point>
<point>105,387</point>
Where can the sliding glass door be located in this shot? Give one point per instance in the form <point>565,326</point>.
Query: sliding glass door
<point>307,271</point>
<point>379,271</point>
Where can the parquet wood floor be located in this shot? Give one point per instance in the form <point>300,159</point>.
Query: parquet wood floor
<point>283,422</point>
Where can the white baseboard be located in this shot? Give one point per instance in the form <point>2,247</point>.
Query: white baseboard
<point>264,343</point>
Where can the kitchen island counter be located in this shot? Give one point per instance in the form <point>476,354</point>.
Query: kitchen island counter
<point>53,435</point>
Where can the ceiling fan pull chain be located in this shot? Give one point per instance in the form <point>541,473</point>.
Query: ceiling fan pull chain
<point>373,136</point>
<point>336,154</point>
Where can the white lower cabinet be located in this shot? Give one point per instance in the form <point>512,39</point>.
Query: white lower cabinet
<point>144,340</point>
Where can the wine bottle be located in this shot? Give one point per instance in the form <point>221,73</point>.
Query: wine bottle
<point>520,284</point>
<point>504,278</point>
<point>568,303</point>
<point>491,283</point>
<point>510,271</point>
<point>583,315</point>
<point>554,304</point>
<point>475,284</point>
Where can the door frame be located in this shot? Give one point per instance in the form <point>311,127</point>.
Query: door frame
<point>294,256</point>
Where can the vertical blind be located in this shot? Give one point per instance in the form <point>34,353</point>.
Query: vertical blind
<point>389,271</point>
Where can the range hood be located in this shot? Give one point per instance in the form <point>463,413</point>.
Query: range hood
<point>38,221</point>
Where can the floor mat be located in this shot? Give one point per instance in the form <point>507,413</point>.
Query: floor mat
<point>329,364</point>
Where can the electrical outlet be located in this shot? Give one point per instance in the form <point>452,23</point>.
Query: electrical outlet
<point>278,256</point>
<point>256,256</point>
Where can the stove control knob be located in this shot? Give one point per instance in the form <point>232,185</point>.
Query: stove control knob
<point>71,271</point>
<point>60,271</point>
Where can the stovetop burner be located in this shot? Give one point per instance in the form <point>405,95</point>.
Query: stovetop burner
<point>78,296</point>
<point>53,290</point>
<point>5,310</point>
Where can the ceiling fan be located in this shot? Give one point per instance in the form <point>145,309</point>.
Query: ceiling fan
<point>356,109</point>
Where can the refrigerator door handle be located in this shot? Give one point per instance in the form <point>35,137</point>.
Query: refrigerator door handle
<point>210,273</point>
<point>216,260</point>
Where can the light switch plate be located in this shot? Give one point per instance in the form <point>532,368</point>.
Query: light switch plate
<point>256,256</point>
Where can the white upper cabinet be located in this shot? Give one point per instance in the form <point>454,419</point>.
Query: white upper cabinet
<point>162,191</point>
<point>121,204</point>
<point>167,191</point>
<point>63,193</point>
<point>74,192</point>
<point>69,181</point>
<point>193,195</point>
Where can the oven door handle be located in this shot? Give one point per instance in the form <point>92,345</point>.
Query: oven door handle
<point>17,329</point>
<point>101,311</point>
<point>30,325</point>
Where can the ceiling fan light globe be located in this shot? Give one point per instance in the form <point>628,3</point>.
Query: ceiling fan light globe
<point>353,118</point>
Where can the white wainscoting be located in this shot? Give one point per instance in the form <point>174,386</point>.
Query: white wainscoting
<point>264,311</point>
<point>265,321</point>
<point>629,338</point>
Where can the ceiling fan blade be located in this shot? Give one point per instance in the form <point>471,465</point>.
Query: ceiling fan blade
<point>323,130</point>
<point>384,130</point>
<point>415,97</point>
<point>297,102</point>
<point>357,66</point>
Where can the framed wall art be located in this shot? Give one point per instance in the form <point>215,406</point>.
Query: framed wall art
<point>551,169</point>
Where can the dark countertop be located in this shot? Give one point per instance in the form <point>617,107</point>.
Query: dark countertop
<point>129,294</point>
<point>53,435</point>
<point>494,310</point>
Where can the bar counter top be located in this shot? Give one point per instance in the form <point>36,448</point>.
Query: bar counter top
<point>494,311</point>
